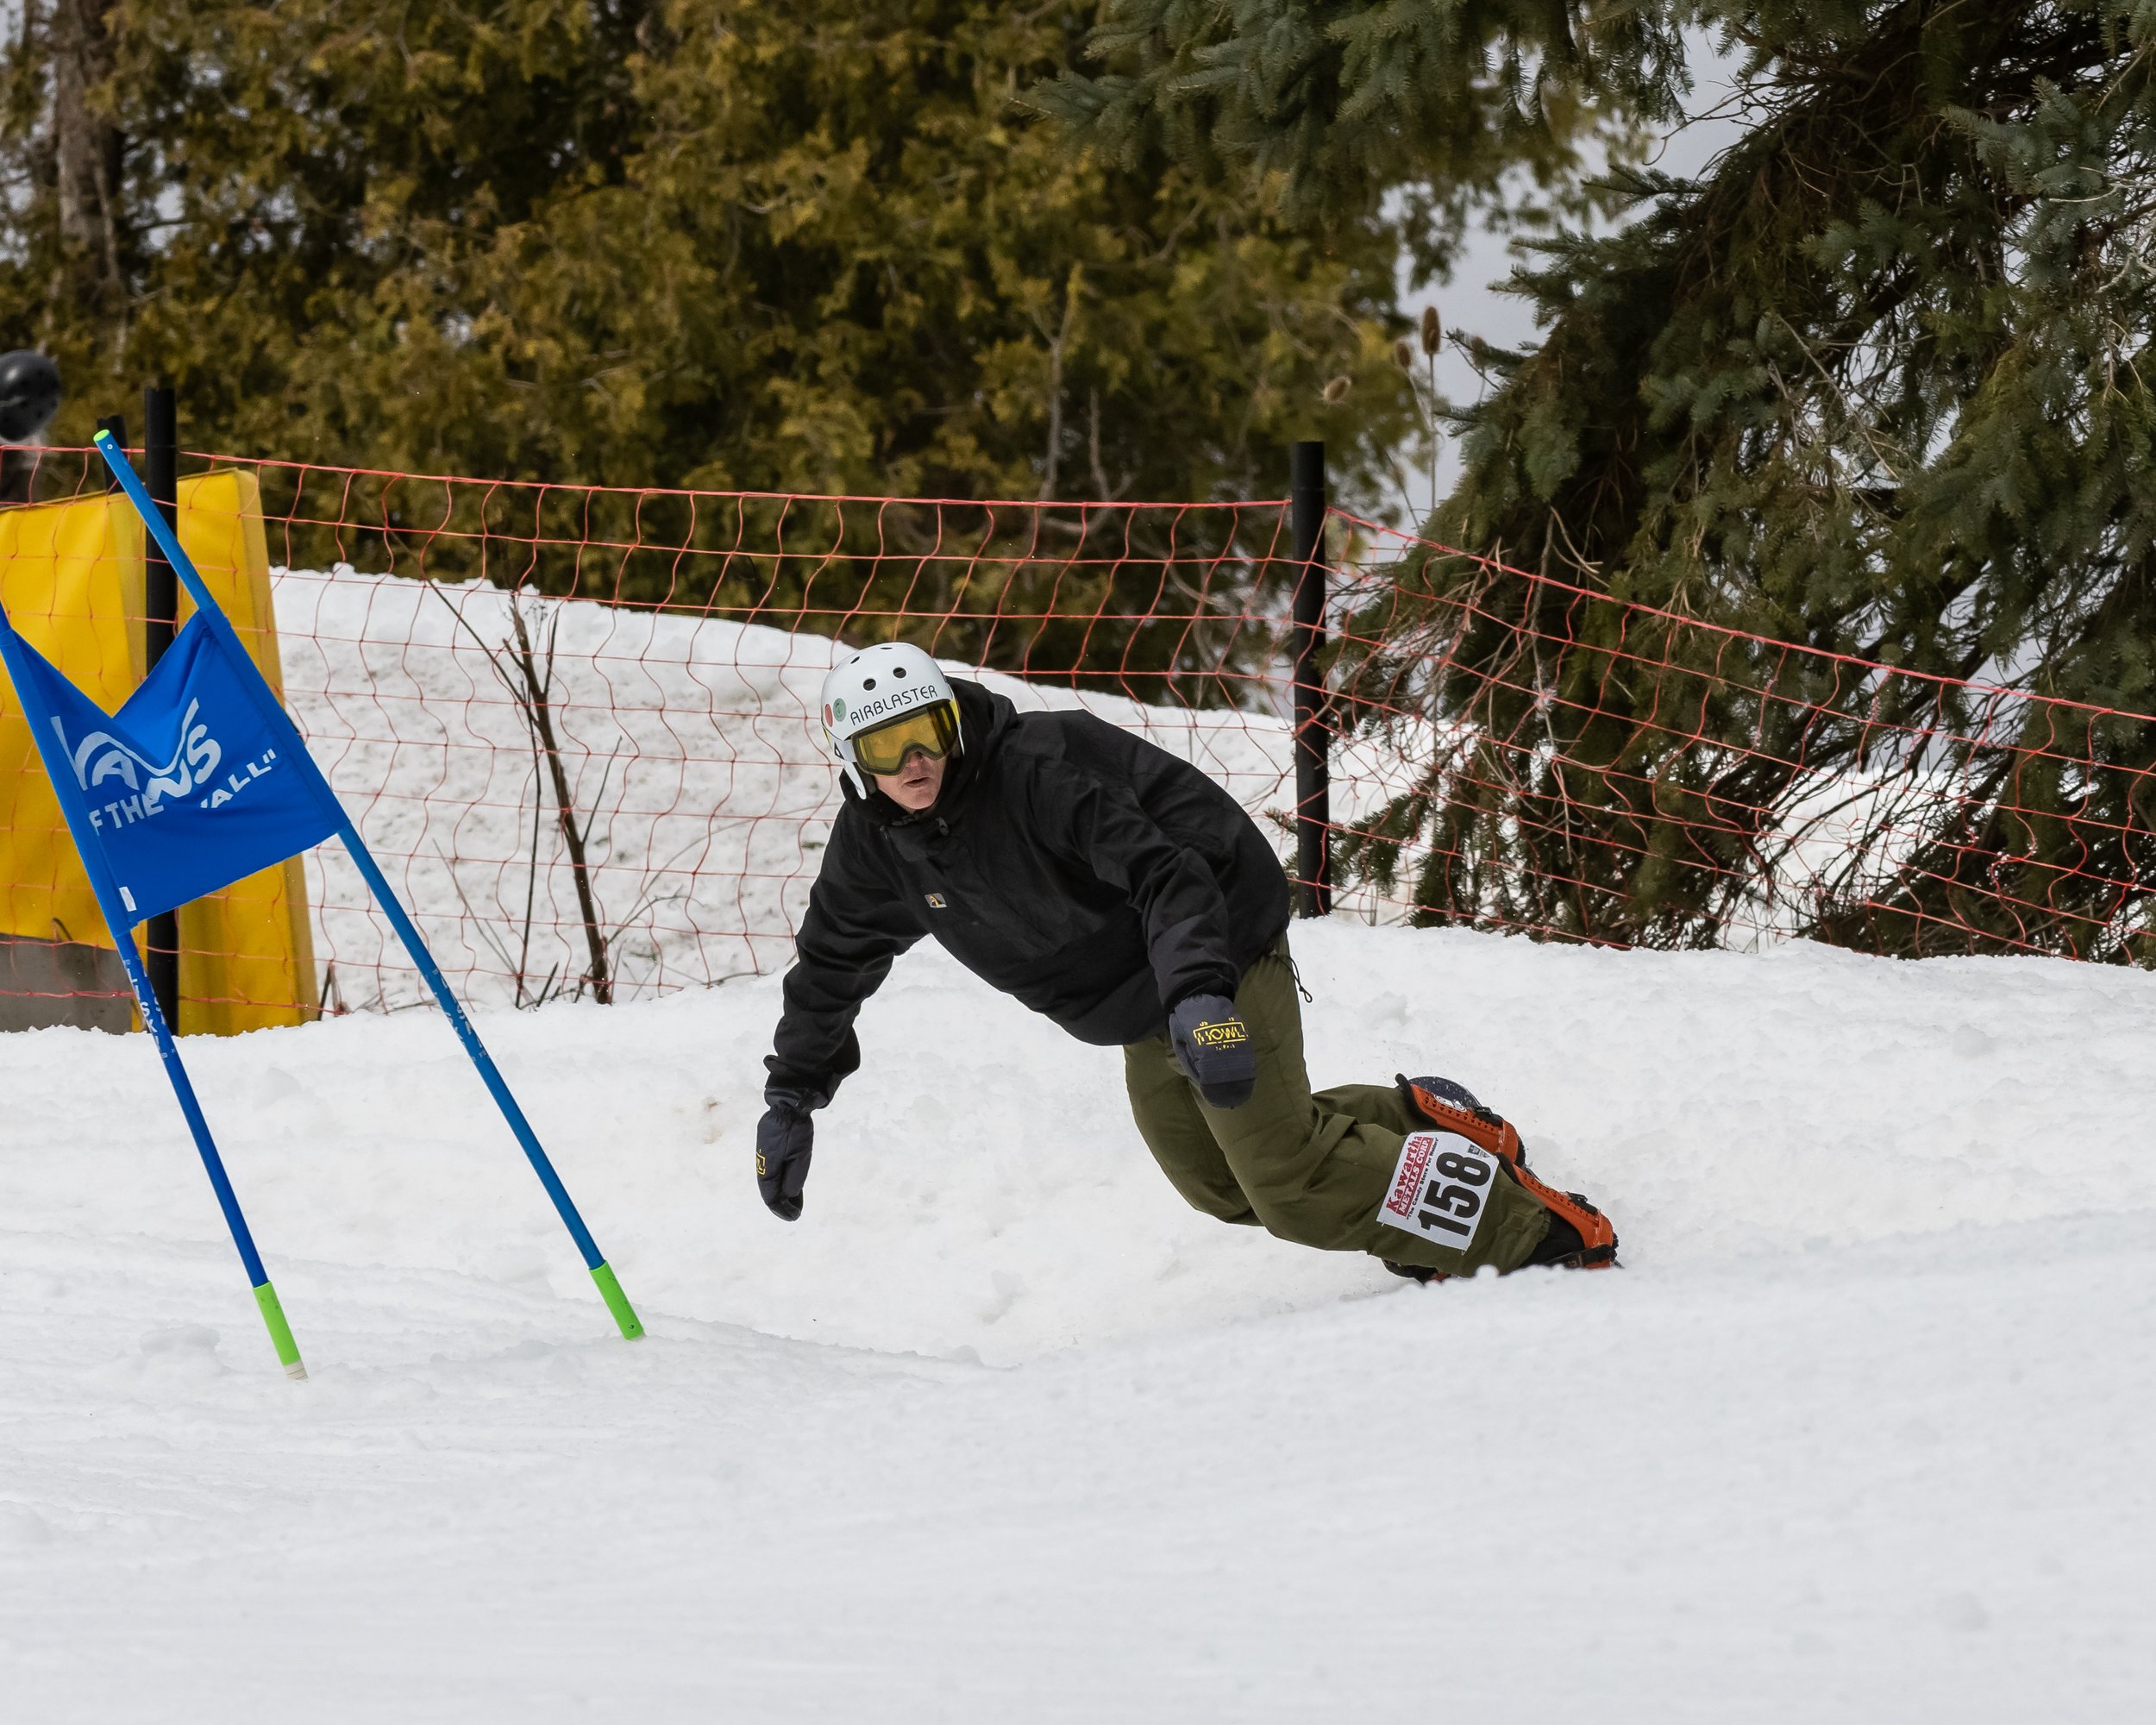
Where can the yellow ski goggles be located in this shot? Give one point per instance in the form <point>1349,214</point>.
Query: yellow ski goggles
<point>881,752</point>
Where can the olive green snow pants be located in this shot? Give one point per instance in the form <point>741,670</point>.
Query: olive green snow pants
<point>1311,1169</point>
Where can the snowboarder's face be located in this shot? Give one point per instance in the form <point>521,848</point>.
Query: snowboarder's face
<point>916,784</point>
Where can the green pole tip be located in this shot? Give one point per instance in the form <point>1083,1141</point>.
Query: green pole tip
<point>617,1302</point>
<point>280,1331</point>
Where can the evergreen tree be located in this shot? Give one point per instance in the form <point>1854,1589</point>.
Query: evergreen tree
<point>816,248</point>
<point>1875,381</point>
<point>1337,108</point>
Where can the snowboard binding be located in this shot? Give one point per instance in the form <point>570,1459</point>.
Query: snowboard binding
<point>1581,1237</point>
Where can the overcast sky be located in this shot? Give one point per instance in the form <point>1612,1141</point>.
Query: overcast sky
<point>1472,303</point>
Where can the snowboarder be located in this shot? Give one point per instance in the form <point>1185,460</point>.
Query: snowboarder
<point>1117,889</point>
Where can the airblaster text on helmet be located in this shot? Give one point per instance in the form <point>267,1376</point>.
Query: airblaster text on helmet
<point>862,712</point>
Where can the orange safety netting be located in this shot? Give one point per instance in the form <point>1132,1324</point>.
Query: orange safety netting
<point>586,747</point>
<point>1551,759</point>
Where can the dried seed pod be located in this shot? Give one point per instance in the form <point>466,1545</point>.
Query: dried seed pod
<point>1404,355</point>
<point>1432,331</point>
<point>1337,390</point>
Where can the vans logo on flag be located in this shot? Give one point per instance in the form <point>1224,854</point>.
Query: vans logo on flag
<point>102,755</point>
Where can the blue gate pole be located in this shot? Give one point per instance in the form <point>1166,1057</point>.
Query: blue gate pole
<point>154,1018</point>
<point>281,725</point>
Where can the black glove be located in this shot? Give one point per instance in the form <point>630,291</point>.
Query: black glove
<point>1213,1046</point>
<point>783,1138</point>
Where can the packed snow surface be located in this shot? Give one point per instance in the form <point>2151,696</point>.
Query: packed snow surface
<point>999,1431</point>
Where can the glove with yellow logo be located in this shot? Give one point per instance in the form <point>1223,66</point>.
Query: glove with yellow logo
<point>1213,1045</point>
<point>785,1137</point>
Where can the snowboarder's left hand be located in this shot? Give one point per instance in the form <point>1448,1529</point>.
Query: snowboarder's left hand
<point>1213,1045</point>
<point>785,1138</point>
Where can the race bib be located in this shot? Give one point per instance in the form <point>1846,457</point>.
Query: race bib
<point>1440,1188</point>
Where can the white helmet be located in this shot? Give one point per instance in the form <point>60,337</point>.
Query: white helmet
<point>895,695</point>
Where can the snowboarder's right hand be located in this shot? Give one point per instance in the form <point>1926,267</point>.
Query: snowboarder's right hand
<point>1212,1046</point>
<point>785,1137</point>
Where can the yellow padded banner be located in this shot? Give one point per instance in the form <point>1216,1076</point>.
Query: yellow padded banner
<point>71,578</point>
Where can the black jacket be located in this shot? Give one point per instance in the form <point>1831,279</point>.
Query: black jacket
<point>1081,869</point>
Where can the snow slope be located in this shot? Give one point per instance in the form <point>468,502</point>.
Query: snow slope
<point>999,1431</point>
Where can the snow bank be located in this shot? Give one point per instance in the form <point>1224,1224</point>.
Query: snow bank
<point>998,1430</point>
<point>694,750</point>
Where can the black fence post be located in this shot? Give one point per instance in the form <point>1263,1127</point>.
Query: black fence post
<point>1313,738</point>
<point>160,615</point>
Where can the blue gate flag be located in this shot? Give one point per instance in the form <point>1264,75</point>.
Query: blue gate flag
<point>190,786</point>
<point>200,779</point>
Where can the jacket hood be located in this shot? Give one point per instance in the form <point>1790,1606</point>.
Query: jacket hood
<point>983,719</point>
